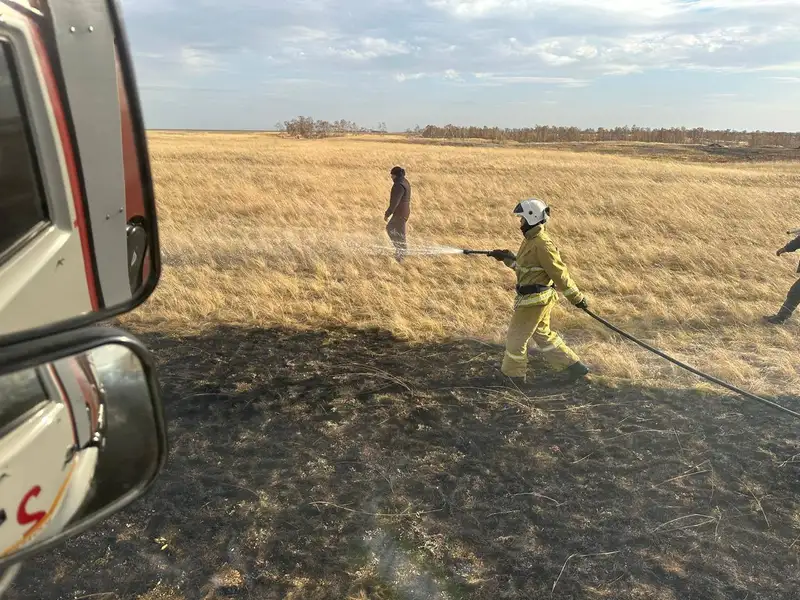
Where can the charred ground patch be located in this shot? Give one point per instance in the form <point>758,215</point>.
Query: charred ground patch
<point>349,464</point>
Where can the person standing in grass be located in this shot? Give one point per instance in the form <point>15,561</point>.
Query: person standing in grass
<point>540,272</point>
<point>793,296</point>
<point>398,212</point>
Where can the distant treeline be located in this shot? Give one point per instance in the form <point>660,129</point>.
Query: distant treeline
<point>307,127</point>
<point>673,135</point>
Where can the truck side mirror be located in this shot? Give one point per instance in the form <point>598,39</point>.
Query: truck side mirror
<point>78,228</point>
<point>81,436</point>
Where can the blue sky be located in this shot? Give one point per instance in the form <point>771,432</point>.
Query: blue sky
<point>246,64</point>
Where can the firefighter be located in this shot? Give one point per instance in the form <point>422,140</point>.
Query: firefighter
<point>540,272</point>
<point>398,212</point>
<point>793,297</point>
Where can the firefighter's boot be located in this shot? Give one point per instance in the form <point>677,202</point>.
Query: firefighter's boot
<point>573,373</point>
<point>775,319</point>
<point>577,371</point>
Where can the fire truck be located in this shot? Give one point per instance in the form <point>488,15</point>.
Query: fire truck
<point>78,244</point>
<point>71,168</point>
<point>46,409</point>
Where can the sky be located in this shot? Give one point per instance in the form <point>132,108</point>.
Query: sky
<point>248,64</point>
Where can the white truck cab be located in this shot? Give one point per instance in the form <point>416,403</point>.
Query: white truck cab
<point>76,212</point>
<point>60,410</point>
<point>78,244</point>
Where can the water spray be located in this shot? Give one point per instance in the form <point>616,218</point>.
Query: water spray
<point>430,250</point>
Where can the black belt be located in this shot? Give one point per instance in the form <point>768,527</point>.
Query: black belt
<point>534,288</point>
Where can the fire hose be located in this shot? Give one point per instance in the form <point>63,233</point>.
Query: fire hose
<point>689,368</point>
<point>674,361</point>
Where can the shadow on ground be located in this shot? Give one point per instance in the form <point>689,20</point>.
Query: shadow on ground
<point>347,464</point>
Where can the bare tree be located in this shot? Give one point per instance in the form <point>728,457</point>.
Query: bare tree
<point>306,127</point>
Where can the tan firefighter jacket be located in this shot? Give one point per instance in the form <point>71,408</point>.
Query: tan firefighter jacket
<point>540,271</point>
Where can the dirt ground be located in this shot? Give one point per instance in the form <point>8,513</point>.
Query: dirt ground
<point>347,464</point>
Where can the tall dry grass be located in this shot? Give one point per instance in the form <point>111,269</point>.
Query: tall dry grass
<point>264,231</point>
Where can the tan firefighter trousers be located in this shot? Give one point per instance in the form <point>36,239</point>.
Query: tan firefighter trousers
<point>534,321</point>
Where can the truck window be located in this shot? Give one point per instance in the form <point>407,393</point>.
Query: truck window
<point>23,207</point>
<point>20,393</point>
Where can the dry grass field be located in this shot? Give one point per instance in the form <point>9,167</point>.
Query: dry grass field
<point>337,426</point>
<point>263,231</point>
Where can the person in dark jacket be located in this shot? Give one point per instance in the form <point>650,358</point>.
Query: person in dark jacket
<point>398,212</point>
<point>793,297</point>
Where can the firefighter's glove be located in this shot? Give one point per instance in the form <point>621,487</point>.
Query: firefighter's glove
<point>501,254</point>
<point>583,304</point>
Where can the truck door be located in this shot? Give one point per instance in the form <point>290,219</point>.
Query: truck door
<point>77,215</point>
<point>45,257</point>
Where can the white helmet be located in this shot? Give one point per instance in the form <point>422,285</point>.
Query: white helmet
<point>533,210</point>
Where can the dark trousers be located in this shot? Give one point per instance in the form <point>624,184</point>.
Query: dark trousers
<point>792,301</point>
<point>396,228</point>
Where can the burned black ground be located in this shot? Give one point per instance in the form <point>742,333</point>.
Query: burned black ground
<point>348,464</point>
<point>691,153</point>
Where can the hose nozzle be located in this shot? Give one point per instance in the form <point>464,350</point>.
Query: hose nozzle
<point>508,255</point>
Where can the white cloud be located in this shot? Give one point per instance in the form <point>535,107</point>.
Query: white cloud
<point>546,45</point>
<point>733,48</point>
<point>629,9</point>
<point>576,38</point>
<point>614,69</point>
<point>549,52</point>
<point>300,34</point>
<point>367,48</point>
<point>792,66</point>
<point>626,10</point>
<point>618,37</point>
<point>401,77</point>
<point>501,78</point>
<point>588,52</point>
<point>448,75</point>
<point>198,60</point>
